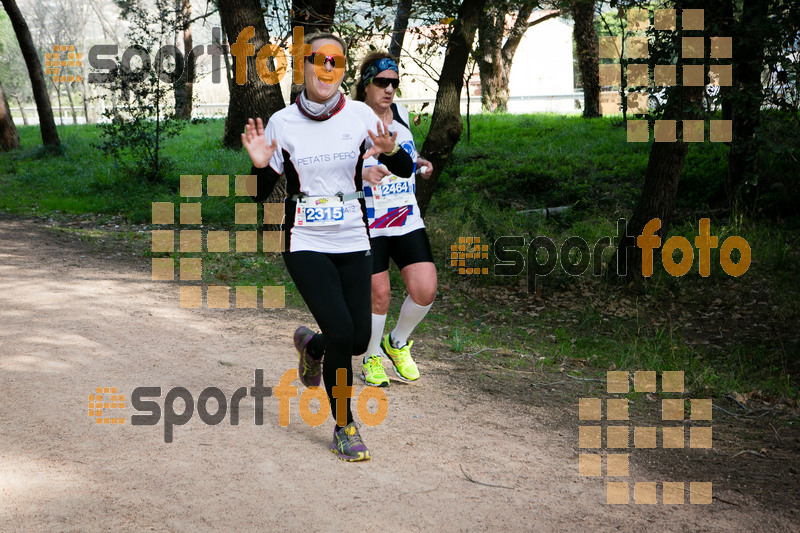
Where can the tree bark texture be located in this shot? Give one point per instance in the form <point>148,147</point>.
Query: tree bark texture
<point>400,27</point>
<point>586,44</point>
<point>9,136</point>
<point>47,124</point>
<point>21,109</point>
<point>748,63</point>
<point>495,57</point>
<point>184,86</point>
<point>446,122</point>
<point>255,98</point>
<point>662,175</point>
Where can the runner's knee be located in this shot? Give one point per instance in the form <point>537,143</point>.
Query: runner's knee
<point>380,299</point>
<point>424,293</point>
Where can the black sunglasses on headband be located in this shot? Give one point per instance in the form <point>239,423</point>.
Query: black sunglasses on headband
<point>336,61</point>
<point>385,82</point>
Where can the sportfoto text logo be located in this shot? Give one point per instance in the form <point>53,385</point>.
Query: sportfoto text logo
<point>141,400</point>
<point>103,58</point>
<point>511,261</point>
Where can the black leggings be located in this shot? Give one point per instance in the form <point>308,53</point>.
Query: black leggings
<point>337,290</point>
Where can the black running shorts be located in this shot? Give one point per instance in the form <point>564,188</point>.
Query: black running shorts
<point>404,250</point>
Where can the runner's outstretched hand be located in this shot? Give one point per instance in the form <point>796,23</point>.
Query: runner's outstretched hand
<point>382,142</point>
<point>254,141</point>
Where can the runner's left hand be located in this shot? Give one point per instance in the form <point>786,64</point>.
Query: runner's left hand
<point>375,174</point>
<point>426,166</point>
<point>382,142</point>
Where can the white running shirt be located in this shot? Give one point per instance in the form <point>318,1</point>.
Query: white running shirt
<point>323,158</point>
<point>395,221</point>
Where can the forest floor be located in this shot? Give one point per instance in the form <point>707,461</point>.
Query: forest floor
<point>468,447</point>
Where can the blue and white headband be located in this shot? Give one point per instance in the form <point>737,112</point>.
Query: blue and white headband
<point>372,70</point>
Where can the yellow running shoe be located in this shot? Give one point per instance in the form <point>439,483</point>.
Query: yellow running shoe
<point>372,372</point>
<point>404,366</point>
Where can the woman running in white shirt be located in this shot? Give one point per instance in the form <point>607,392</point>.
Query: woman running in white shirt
<point>396,231</point>
<point>320,143</point>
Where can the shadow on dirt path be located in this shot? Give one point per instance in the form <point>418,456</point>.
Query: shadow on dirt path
<point>73,321</point>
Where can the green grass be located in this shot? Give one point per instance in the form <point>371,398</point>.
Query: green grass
<point>510,164</point>
<point>84,180</point>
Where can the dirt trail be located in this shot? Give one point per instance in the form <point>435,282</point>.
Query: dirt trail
<point>71,321</point>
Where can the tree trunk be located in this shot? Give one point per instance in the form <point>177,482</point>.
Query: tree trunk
<point>255,98</point>
<point>400,27</point>
<point>586,45</point>
<point>9,136</point>
<point>21,109</point>
<point>494,77</point>
<point>748,62</point>
<point>663,172</point>
<point>312,16</point>
<point>60,106</point>
<point>71,105</point>
<point>85,100</point>
<point>446,123</point>
<point>726,25</point>
<point>222,40</point>
<point>495,57</point>
<point>184,86</point>
<point>47,124</point>
<point>659,191</point>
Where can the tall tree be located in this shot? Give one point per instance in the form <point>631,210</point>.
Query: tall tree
<point>666,160</point>
<point>254,98</point>
<point>586,45</point>
<point>12,67</point>
<point>9,137</point>
<point>751,32</point>
<point>184,86</point>
<point>446,122</point>
<point>400,27</point>
<point>494,55</point>
<point>47,124</point>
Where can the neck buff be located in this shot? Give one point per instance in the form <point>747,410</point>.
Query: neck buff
<point>320,112</point>
<point>372,70</point>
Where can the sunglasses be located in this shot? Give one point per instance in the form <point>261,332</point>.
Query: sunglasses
<point>336,61</point>
<point>385,82</point>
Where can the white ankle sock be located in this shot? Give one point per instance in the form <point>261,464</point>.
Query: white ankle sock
<point>374,348</point>
<point>411,314</point>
